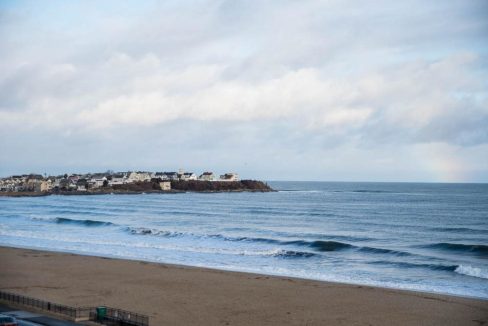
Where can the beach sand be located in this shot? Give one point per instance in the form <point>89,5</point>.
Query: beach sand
<point>180,295</point>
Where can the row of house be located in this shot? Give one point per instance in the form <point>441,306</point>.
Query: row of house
<point>83,182</point>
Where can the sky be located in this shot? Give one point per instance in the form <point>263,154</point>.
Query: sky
<point>272,90</point>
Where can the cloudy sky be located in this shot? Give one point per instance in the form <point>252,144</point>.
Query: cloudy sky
<point>274,90</point>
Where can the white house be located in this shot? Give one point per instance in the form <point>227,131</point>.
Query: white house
<point>81,185</point>
<point>229,177</point>
<point>188,176</point>
<point>74,178</point>
<point>159,175</point>
<point>139,176</point>
<point>171,175</point>
<point>118,179</point>
<point>46,185</point>
<point>206,176</point>
<point>97,180</point>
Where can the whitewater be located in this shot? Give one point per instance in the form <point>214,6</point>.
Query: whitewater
<point>425,237</point>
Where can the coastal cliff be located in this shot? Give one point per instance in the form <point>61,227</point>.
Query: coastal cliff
<point>220,186</point>
<point>196,186</point>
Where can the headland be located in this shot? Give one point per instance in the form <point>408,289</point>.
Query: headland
<point>33,185</point>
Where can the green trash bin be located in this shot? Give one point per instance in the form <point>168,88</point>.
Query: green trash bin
<point>101,312</point>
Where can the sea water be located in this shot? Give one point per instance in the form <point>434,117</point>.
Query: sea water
<point>426,237</point>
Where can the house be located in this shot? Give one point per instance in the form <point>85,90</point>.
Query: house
<point>188,176</point>
<point>46,185</point>
<point>19,187</point>
<point>145,176</point>
<point>51,182</point>
<point>97,180</point>
<point>74,178</point>
<point>171,175</point>
<point>165,185</point>
<point>57,181</point>
<point>118,179</point>
<point>33,182</point>
<point>17,179</point>
<point>160,175</point>
<point>6,185</point>
<point>82,184</point>
<point>206,176</point>
<point>64,184</point>
<point>132,177</point>
<point>33,185</point>
<point>229,177</point>
<point>139,176</point>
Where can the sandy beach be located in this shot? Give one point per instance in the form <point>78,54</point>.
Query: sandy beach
<point>180,295</point>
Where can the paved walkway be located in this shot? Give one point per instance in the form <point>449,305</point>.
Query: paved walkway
<point>26,318</point>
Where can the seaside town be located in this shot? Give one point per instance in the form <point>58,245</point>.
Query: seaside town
<point>109,179</point>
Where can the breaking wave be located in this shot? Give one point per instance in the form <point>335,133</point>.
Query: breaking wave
<point>384,251</point>
<point>146,231</point>
<point>318,245</point>
<point>322,245</point>
<point>435,267</point>
<point>292,254</point>
<point>478,249</point>
<point>459,230</point>
<point>64,220</point>
<point>472,271</point>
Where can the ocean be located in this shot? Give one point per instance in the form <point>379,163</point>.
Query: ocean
<point>416,236</point>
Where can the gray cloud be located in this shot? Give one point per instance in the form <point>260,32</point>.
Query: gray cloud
<point>256,80</point>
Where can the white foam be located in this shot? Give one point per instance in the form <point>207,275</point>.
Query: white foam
<point>472,271</point>
<point>93,244</point>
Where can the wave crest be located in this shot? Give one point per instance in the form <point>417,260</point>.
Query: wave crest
<point>65,220</point>
<point>318,245</point>
<point>472,271</point>
<point>435,267</point>
<point>478,249</point>
<point>330,245</point>
<point>384,251</point>
<point>459,230</point>
<point>292,254</point>
<point>146,231</point>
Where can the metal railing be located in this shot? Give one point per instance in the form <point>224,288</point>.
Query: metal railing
<point>111,316</point>
<point>71,312</point>
<point>119,317</point>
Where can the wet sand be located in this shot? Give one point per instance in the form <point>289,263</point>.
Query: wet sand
<point>180,295</point>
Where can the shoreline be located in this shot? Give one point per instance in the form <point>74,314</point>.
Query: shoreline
<point>74,252</point>
<point>76,279</point>
<point>115,192</point>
